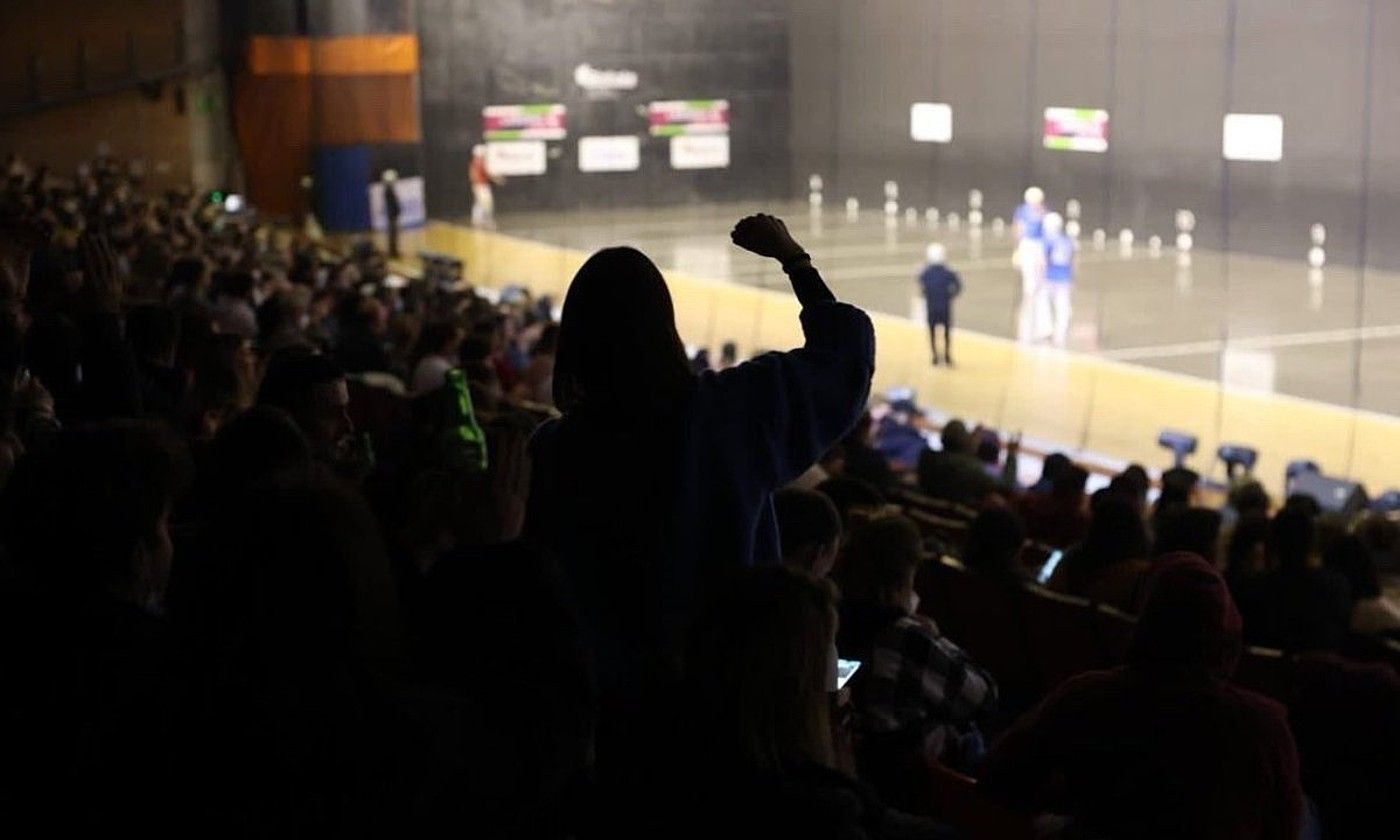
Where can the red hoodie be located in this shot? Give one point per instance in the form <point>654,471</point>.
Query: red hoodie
<point>1164,746</point>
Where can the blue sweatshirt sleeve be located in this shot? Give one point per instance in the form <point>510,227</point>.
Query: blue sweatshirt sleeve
<point>787,409</point>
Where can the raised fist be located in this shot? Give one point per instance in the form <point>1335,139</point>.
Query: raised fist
<point>766,236</point>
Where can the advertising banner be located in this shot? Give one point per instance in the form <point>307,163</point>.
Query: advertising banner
<point>412,210</point>
<point>1076,129</point>
<point>517,157</point>
<point>618,153</point>
<point>931,122</point>
<point>701,151</point>
<point>678,117</point>
<point>524,122</point>
<point>1253,137</point>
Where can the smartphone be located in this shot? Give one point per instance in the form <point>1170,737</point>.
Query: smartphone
<point>1049,568</point>
<point>845,669</point>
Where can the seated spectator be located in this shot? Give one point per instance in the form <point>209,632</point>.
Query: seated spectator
<point>296,725</point>
<point>1133,481</point>
<point>1055,463</point>
<point>763,757</point>
<point>1346,718</point>
<point>233,305</point>
<point>438,348</point>
<point>537,379</point>
<point>312,389</point>
<point>862,460</point>
<point>1247,555</point>
<point>1381,535</point>
<point>1109,566</point>
<point>215,397</point>
<point>1249,498</point>
<point>1304,504</point>
<point>154,334</point>
<point>994,543</point>
<point>1297,606</point>
<point>1180,486</point>
<point>1057,518</point>
<point>519,708</point>
<point>91,683</point>
<point>809,530</point>
<point>361,346</point>
<point>987,447</point>
<point>1192,530</point>
<point>897,438</point>
<point>954,473</point>
<point>1164,747</point>
<point>918,692</point>
<point>1371,614</point>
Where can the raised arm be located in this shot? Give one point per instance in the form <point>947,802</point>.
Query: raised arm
<point>768,236</point>
<point>793,406</point>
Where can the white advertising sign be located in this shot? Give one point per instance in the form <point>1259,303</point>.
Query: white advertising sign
<point>1253,137</point>
<point>619,153</point>
<point>700,151</point>
<point>931,122</point>
<point>517,157</point>
<point>411,207</point>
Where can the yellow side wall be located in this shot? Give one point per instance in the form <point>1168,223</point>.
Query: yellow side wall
<point>1080,402</point>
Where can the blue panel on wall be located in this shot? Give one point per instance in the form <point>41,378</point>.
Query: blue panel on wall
<point>342,176</point>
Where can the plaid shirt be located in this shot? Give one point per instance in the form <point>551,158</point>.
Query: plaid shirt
<point>917,679</point>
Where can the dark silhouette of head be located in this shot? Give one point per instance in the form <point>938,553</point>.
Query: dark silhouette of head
<point>1304,504</point>
<point>877,565</point>
<point>994,542</point>
<point>1192,530</point>
<point>1189,625</point>
<point>617,337</point>
<point>1291,539</point>
<point>154,333</point>
<point>1068,485</point>
<point>1178,487</point>
<point>236,284</point>
<point>1349,557</point>
<point>955,437</point>
<point>1250,498</point>
<point>259,443</point>
<point>90,514</point>
<point>312,389</point>
<point>1381,534</point>
<point>1055,463</point>
<point>809,528</point>
<point>1116,534</point>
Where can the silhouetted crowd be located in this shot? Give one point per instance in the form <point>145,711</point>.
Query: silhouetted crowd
<point>293,545</point>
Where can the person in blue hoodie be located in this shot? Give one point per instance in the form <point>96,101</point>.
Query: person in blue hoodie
<point>940,285</point>
<point>654,487</point>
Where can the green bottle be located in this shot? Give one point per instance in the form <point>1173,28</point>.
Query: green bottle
<point>465,430</point>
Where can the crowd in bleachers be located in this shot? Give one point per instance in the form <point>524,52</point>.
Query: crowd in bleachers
<point>293,545</point>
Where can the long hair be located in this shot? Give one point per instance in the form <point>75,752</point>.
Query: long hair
<point>761,670</point>
<point>1116,534</point>
<point>617,335</point>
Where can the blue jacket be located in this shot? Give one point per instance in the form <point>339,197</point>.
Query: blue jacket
<point>648,513</point>
<point>940,284</point>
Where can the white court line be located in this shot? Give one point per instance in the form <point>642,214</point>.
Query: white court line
<point>887,270</point>
<point>1263,342</point>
